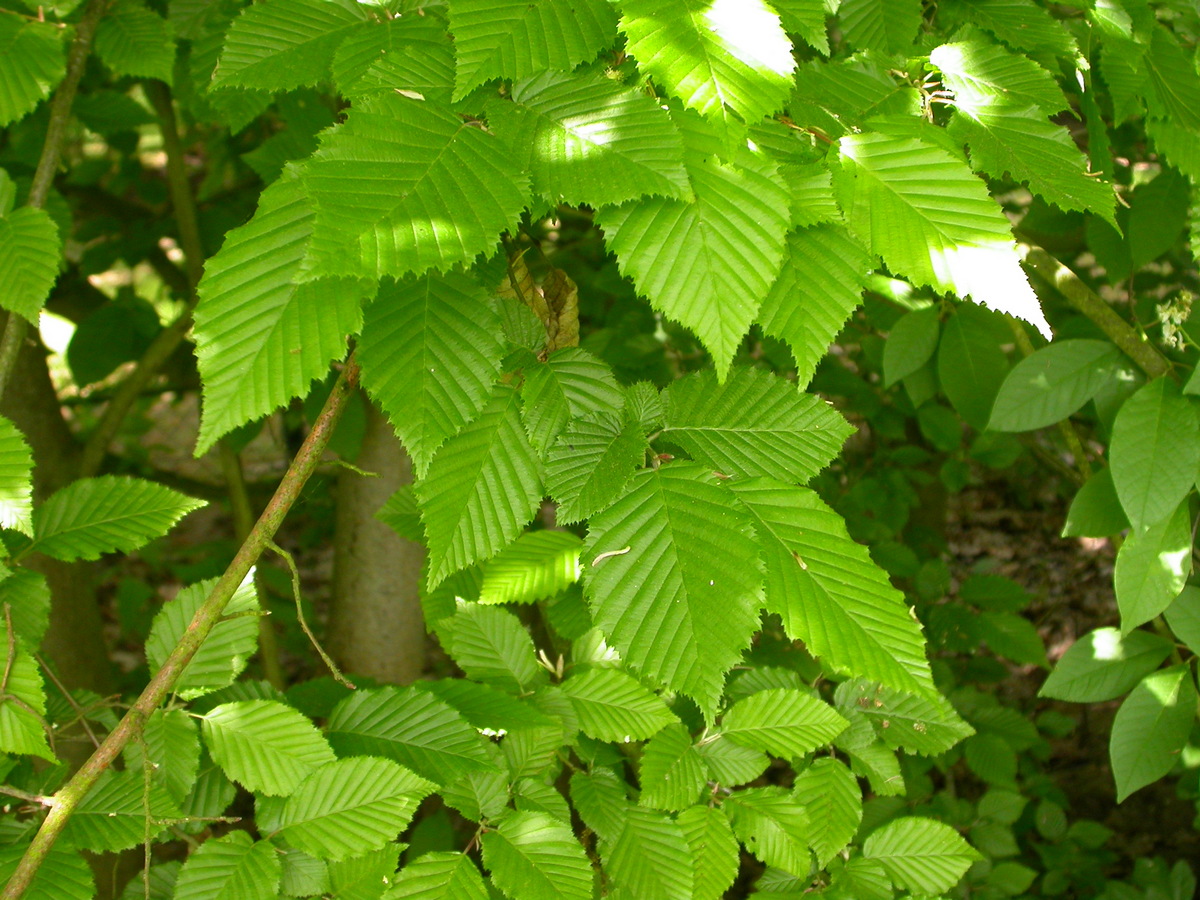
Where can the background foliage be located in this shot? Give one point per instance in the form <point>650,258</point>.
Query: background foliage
<point>700,628</point>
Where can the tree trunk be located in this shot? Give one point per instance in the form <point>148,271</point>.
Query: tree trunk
<point>74,642</point>
<point>376,627</point>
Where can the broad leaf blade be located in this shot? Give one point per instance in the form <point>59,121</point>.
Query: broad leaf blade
<point>773,826</point>
<point>672,771</point>
<point>613,706</point>
<point>831,796</point>
<point>591,462</point>
<point>536,566</point>
<point>32,62</point>
<point>650,858</point>
<point>1052,384</point>
<point>533,856</point>
<point>16,474</point>
<point>784,723</point>
<point>920,854</point>
<point>1152,568</point>
<point>267,747</point>
<point>233,865</point>
<point>1151,728</point>
<point>449,875</point>
<point>714,851</point>
<point>1103,665</point>
<point>30,250</point>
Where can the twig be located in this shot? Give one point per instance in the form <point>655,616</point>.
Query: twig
<point>209,613</point>
<point>9,791</point>
<point>80,712</point>
<point>325,657</point>
<point>43,177</point>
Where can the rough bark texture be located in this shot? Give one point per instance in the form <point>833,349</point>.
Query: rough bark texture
<point>376,627</point>
<point>74,643</point>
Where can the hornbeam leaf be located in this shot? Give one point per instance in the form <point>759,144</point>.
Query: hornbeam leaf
<point>266,746</point>
<point>592,461</point>
<point>27,595</point>
<point>785,723</point>
<point>111,513</point>
<point>805,18</point>
<point>1173,81</point>
<point>32,62</point>
<point>534,856</point>
<point>726,59</point>
<point>1023,25</point>
<point>889,26</point>
<point>22,729</point>
<point>983,74</point>
<point>364,877</point>
<point>928,724</point>
<point>133,40</point>
<point>753,424</point>
<point>412,727</point>
<point>773,826</point>
<point>226,650</point>
<point>920,854</point>
<point>233,865</point>
<point>536,566</point>
<point>933,221</point>
<point>408,53</point>
<point>172,742</point>
<point>516,39</point>
<point>351,807</point>
<point>63,874</point>
<point>113,814</point>
<point>262,336</point>
<point>599,797</point>
<point>671,579</point>
<point>16,472</point>
<point>672,771</point>
<point>714,851</point>
<point>651,857</point>
<point>30,249</point>
<point>820,285</point>
<point>1151,728</point>
<point>585,139</point>
<point>710,261</point>
<point>831,797</point>
<point>278,45</point>
<point>491,645</point>
<point>483,485</point>
<point>613,706</point>
<point>452,876</point>
<point>403,186</point>
<point>829,592</point>
<point>430,352</point>
<point>569,384</point>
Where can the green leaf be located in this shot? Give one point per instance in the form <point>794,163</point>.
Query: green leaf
<point>599,798</point>
<point>483,485</point>
<point>1013,636</point>
<point>364,877</point>
<point>113,814</point>
<point>1152,568</point>
<point>16,485</point>
<point>351,807</point>
<point>486,707</point>
<point>408,53</point>
<point>256,310</point>
<point>233,865</point>
<point>983,74</point>
<point>32,62</point>
<point>266,746</point>
<point>108,514</point>
<point>452,876</point>
<point>63,874</point>
<point>971,365</point>
<point>226,650</point>
<point>1023,25</point>
<point>1103,665</point>
<point>805,18</point>
<point>920,854</point>
<point>785,723</point>
<point>1151,728</point>
<point>22,729</point>
<point>1096,510</point>
<point>830,795</point>
<point>132,40</point>
<point>710,261</point>
<point>755,423</point>
<point>1154,452</point>
<point>889,26</point>
<point>430,353</point>
<point>671,580</point>
<point>536,566</point>
<point>713,849</point>
<point>30,250</point>
<point>722,59</point>
<point>172,742</point>
<point>932,221</point>
<point>613,706</point>
<point>404,186</point>
<point>278,45</point>
<point>910,344</point>
<point>533,856</point>
<point>819,287</point>
<point>1174,85</point>
<point>1183,615</point>
<point>491,645</point>
<point>28,598</point>
<point>651,857</point>
<point>571,383</point>
<point>773,826</point>
<point>1053,383</point>
<point>410,726</point>
<point>515,39</point>
<point>585,139</point>
<point>828,591</point>
<point>672,771</point>
<point>927,724</point>
<point>731,764</point>
<point>591,462</point>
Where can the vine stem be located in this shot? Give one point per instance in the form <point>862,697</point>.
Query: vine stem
<point>43,177</point>
<point>68,799</point>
